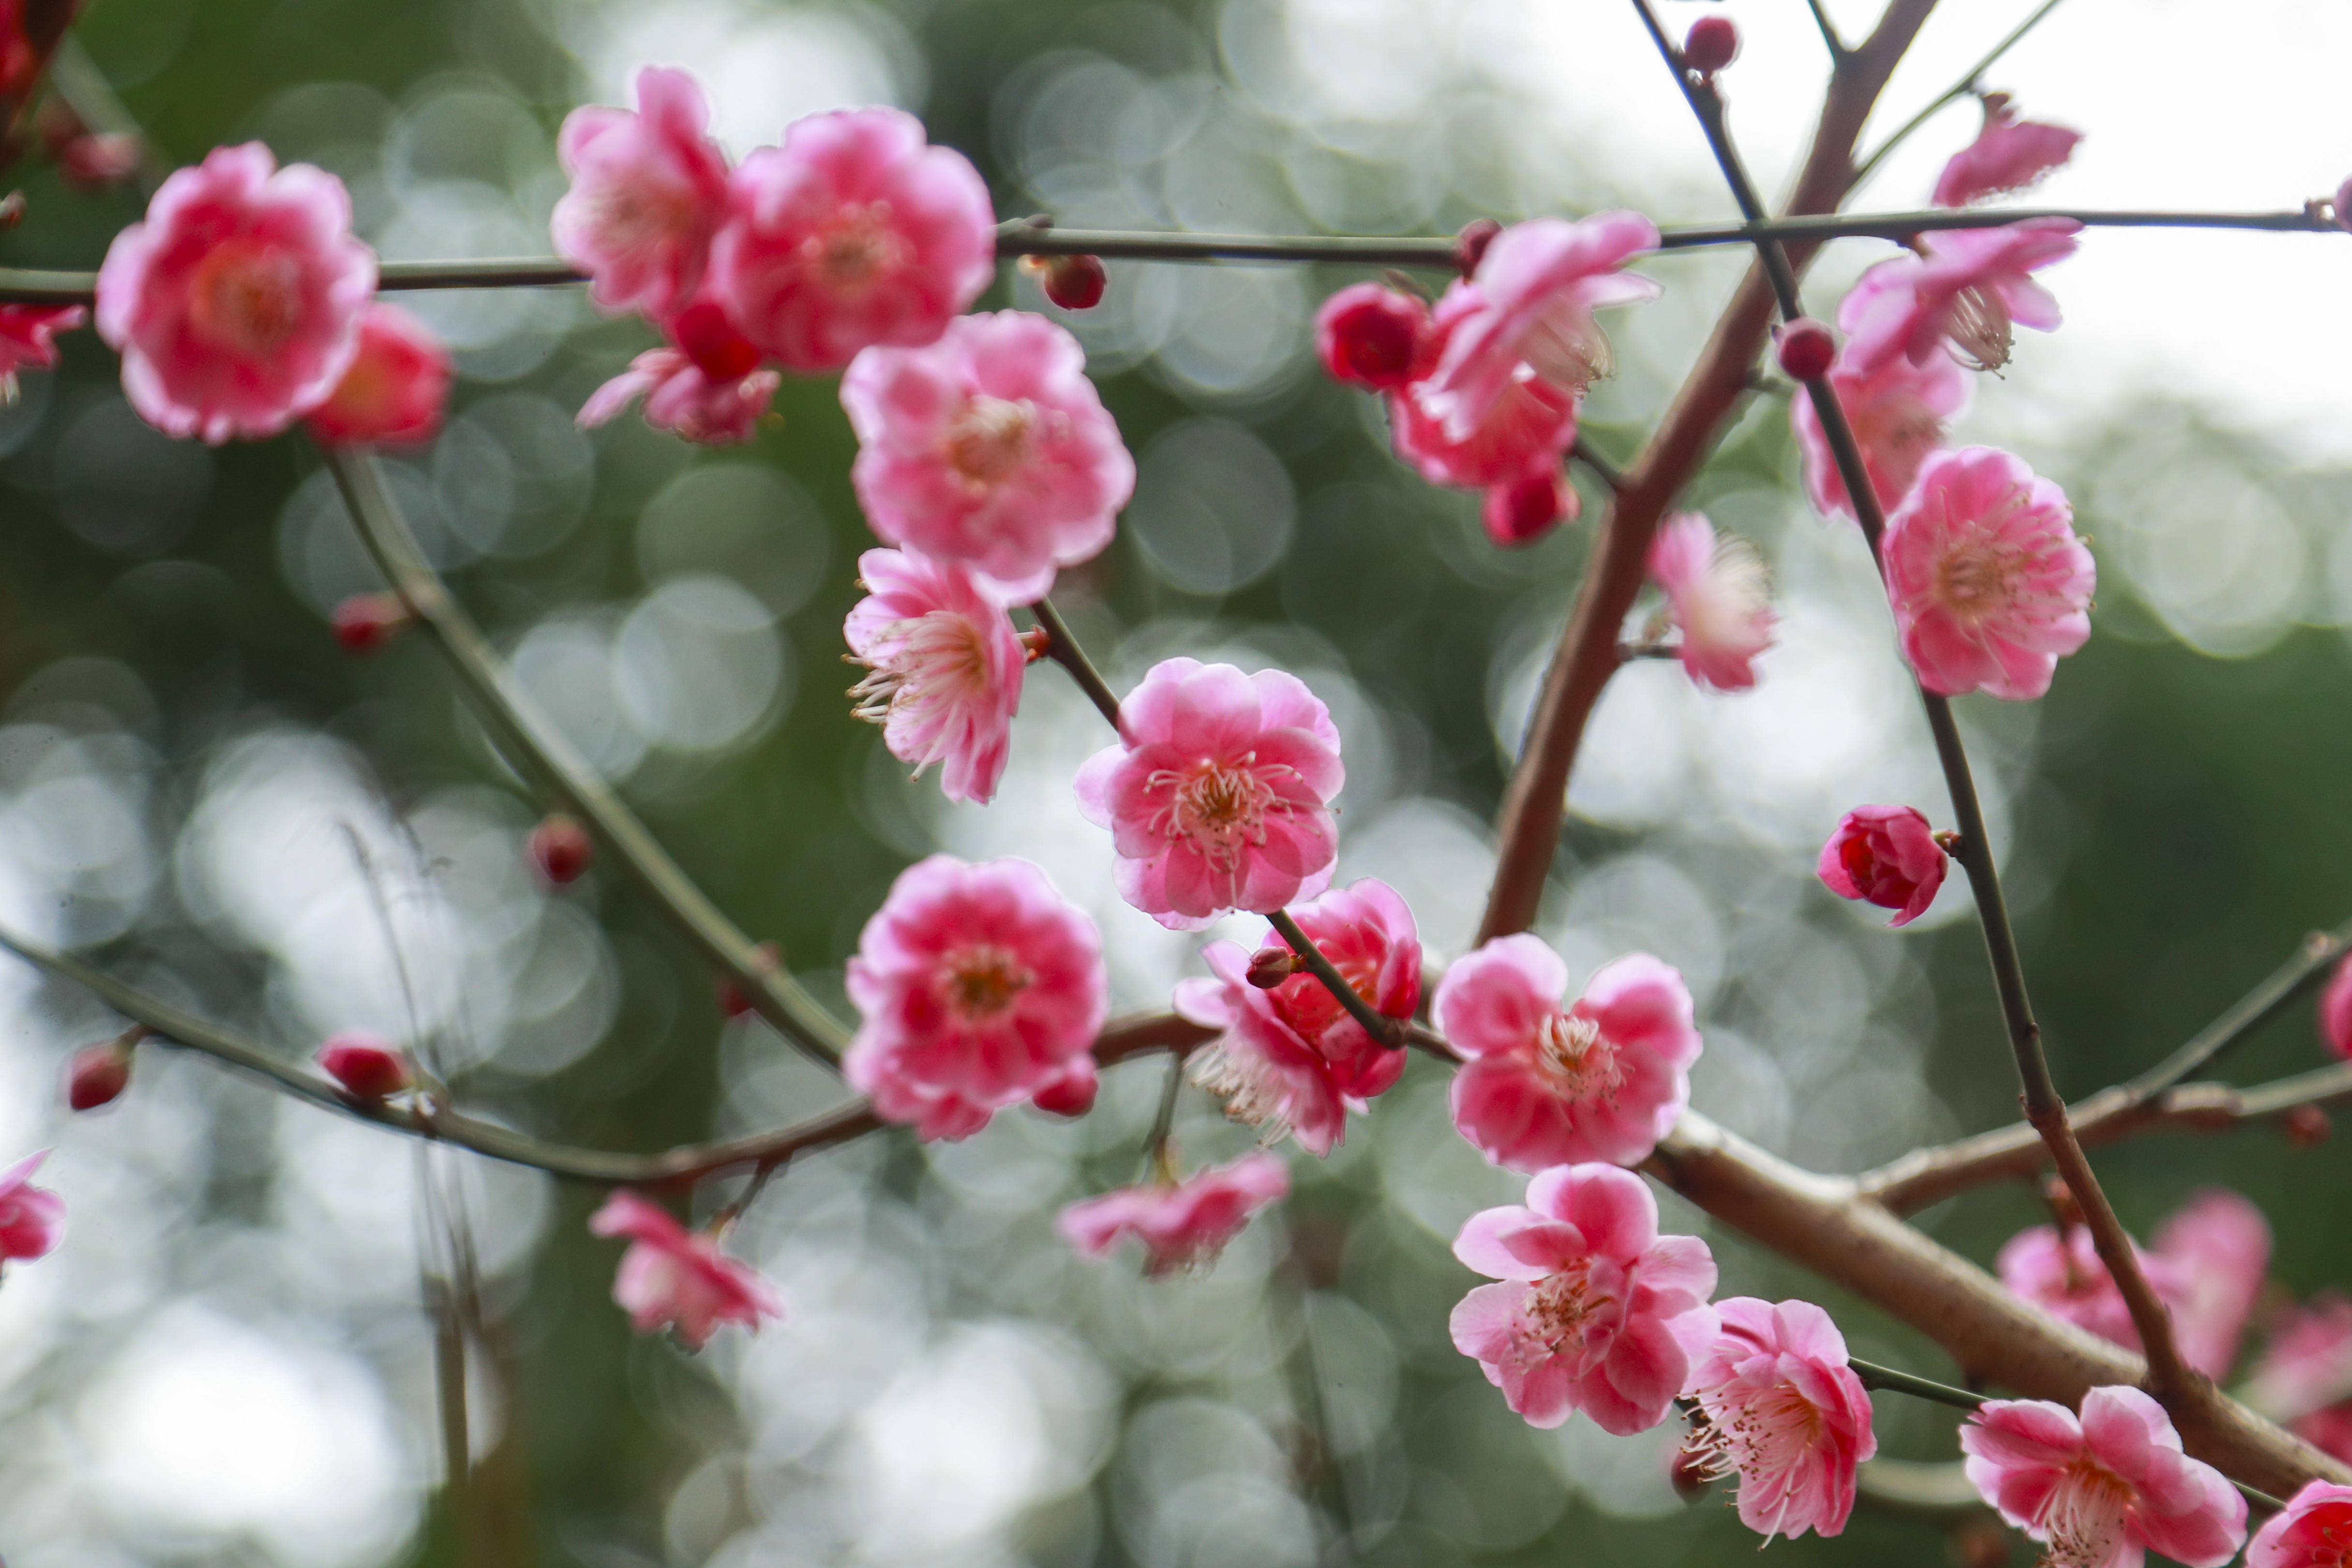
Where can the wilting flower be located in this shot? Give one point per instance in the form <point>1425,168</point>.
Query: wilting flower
<point>944,667</point>
<point>2101,1491</point>
<point>2336,1009</point>
<point>1971,289</point>
<point>2008,154</point>
<point>1218,794</point>
<point>1373,337</point>
<point>1898,411</point>
<point>1719,594</point>
<point>977,986</point>
<point>854,232</point>
<point>1989,582</point>
<point>1784,1411</point>
<point>2313,1530</point>
<point>989,446</point>
<point>684,399</point>
<point>396,390</point>
<point>1884,855</point>
<point>1182,1224</point>
<point>1544,1082</point>
<point>28,337</point>
<point>237,304</point>
<point>648,193</point>
<point>671,1275</point>
<point>32,1218</point>
<point>1596,1311</point>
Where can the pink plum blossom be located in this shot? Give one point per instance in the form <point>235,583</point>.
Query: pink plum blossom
<point>1289,1058</point>
<point>2336,1009</point>
<point>2313,1530</point>
<point>2008,154</point>
<point>1898,411</point>
<point>944,668</point>
<point>977,986</point>
<point>1989,582</point>
<point>2061,1273</point>
<point>1218,795</point>
<point>1884,855</point>
<point>2102,1491</point>
<point>1785,1412</point>
<point>1719,594</point>
<point>1514,449</point>
<point>1970,289</point>
<point>32,1218</point>
<point>1374,337</point>
<point>648,194</point>
<point>28,337</point>
<point>1544,1082</point>
<point>671,1275</point>
<point>2218,1245</point>
<point>1182,1224</point>
<point>2304,1377</point>
<point>1596,1311</point>
<point>396,388</point>
<point>989,446</point>
<point>684,399</point>
<point>237,304</point>
<point>853,232</point>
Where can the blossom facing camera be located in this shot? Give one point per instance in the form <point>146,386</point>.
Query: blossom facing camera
<point>1718,595</point>
<point>559,850</point>
<point>1218,795</point>
<point>672,1276</point>
<point>1546,1082</point>
<point>1898,411</point>
<point>944,668</point>
<point>2102,1490</point>
<point>28,337</point>
<point>397,389</point>
<point>977,986</point>
<point>1183,1224</point>
<point>684,399</point>
<point>1989,584</point>
<point>364,622</point>
<point>368,1066</point>
<point>648,194</point>
<point>1370,336</point>
<point>853,233</point>
<point>1595,1310</point>
<point>1884,855</point>
<point>1783,1411</point>
<point>32,1218</point>
<point>2336,1009</point>
<point>2009,155</point>
<point>2313,1530</point>
<point>98,1074</point>
<point>235,305</point>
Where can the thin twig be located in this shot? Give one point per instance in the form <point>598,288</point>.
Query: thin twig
<point>1064,649</point>
<point>1611,476</point>
<point>1875,1377</point>
<point>1389,1031</point>
<point>1965,85</point>
<point>1836,46</point>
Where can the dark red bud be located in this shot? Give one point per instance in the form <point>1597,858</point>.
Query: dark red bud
<point>1687,1472</point>
<point>560,849</point>
<point>1070,1096</point>
<point>1075,282</point>
<point>1713,44</point>
<point>1270,966</point>
<point>366,622</point>
<point>97,1073</point>
<point>1373,338</point>
<point>1807,349</point>
<point>367,1068</point>
<point>1470,244</point>
<point>704,333</point>
<point>2306,1126</point>
<point>1525,510</point>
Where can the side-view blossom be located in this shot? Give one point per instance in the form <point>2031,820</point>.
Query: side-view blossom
<point>2313,1530</point>
<point>32,1218</point>
<point>648,193</point>
<point>1784,1410</point>
<point>1290,1059</point>
<point>236,303</point>
<point>989,446</point>
<point>854,232</point>
<point>672,1276</point>
<point>2100,1491</point>
<point>1547,1083</point>
<point>1371,335</point>
<point>943,668</point>
<point>1182,1224</point>
<point>28,337</point>
<point>1971,291</point>
<point>1718,595</point>
<point>1596,1311</point>
<point>977,986</point>
<point>1990,584</point>
<point>396,388</point>
<point>2336,1009</point>
<point>684,399</point>
<point>2304,1377</point>
<point>1884,855</point>
<point>2009,155</point>
<point>2219,1247</point>
<point>1899,411</point>
<point>1218,795</point>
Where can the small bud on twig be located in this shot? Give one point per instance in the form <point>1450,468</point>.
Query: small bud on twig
<point>560,849</point>
<point>1807,349</point>
<point>1270,966</point>
<point>1072,282</point>
<point>2306,1126</point>
<point>366,622</point>
<point>1712,44</point>
<point>97,1074</point>
<point>368,1069</point>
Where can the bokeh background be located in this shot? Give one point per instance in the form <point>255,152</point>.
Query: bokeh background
<point>229,1362</point>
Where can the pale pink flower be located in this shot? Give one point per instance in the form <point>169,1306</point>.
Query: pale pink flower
<point>32,1218</point>
<point>648,193</point>
<point>685,399</point>
<point>2008,154</point>
<point>28,337</point>
<point>944,667</point>
<point>977,986</point>
<point>1218,795</point>
<point>989,446</point>
<point>2218,1245</point>
<point>1884,855</point>
<point>1719,595</point>
<point>1182,1224</point>
<point>237,304</point>
<point>2336,1009</point>
<point>2062,1274</point>
<point>1898,411</point>
<point>1597,1311</point>
<point>2102,1491</point>
<point>396,388</point>
<point>1536,290</point>
<point>1290,1059</point>
<point>1526,428</point>
<point>2304,1375</point>
<point>1544,1082</point>
<point>853,232</point>
<point>2313,1530</point>
<point>1785,1412</point>
<point>1970,289</point>
<point>671,1275</point>
<point>1989,582</point>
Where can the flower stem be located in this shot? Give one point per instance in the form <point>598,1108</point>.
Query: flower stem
<point>1389,1031</point>
<point>1064,649</point>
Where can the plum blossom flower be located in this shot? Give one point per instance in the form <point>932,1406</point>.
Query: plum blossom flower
<point>684,399</point>
<point>648,194</point>
<point>1719,595</point>
<point>396,388</point>
<point>1374,337</point>
<point>32,1218</point>
<point>1899,411</point>
<point>2061,1273</point>
<point>944,667</point>
<point>977,986</point>
<point>237,304</point>
<point>1971,289</point>
<point>674,1276</point>
<point>1884,855</point>
<point>28,336</point>
<point>1218,794</point>
<point>2336,1009</point>
<point>2218,1246</point>
<point>2009,155</point>
<point>853,232</point>
<point>2101,1491</point>
<point>1544,1082</point>
<point>1989,582</point>
<point>1596,1311</point>
<point>989,446</point>
<point>2304,1377</point>
<point>1290,1059</point>
<point>2313,1530</point>
<point>1785,1412</point>
<point>1526,428</point>
<point>1182,1224</point>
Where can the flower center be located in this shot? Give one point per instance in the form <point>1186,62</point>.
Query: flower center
<point>857,250</point>
<point>988,440</point>
<point>632,213</point>
<point>1220,806</point>
<point>246,296</point>
<point>923,666</point>
<point>1763,1437</point>
<point>1980,329</point>
<point>983,980</point>
<point>1254,1095</point>
<point>2084,1516</point>
<point>1577,1059</point>
<point>1570,1314</point>
<point>1567,348</point>
<point>1973,580</point>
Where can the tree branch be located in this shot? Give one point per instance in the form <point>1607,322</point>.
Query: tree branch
<point>1967,84</point>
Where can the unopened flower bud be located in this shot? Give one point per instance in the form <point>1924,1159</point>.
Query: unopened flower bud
<point>1713,44</point>
<point>1072,1094</point>
<point>1374,338</point>
<point>1687,1472</point>
<point>366,622</point>
<point>1270,966</point>
<point>367,1067</point>
<point>705,333</point>
<point>1525,510</point>
<point>2306,1126</point>
<point>560,849</point>
<point>733,1001</point>
<point>97,1073</point>
<point>1072,282</point>
<point>1470,244</point>
<point>1807,348</point>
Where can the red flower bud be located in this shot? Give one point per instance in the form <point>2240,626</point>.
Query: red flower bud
<point>97,1073</point>
<point>704,333</point>
<point>1713,43</point>
<point>1884,855</point>
<point>560,849</point>
<point>1375,338</point>
<point>2306,1126</point>
<point>1270,966</point>
<point>1470,244</point>
<point>367,1067</point>
<point>1807,349</point>
<point>1072,282</point>
<point>1687,1472</point>
<point>366,622</point>
<point>1072,1094</point>
<point>1522,512</point>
